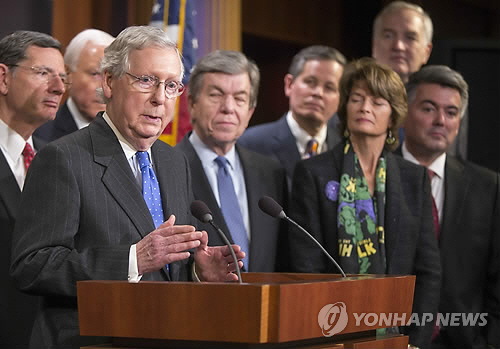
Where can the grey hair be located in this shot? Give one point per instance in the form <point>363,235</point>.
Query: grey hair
<point>403,5</point>
<point>226,62</point>
<point>443,76</point>
<point>116,55</point>
<point>13,47</point>
<point>316,53</point>
<point>78,43</point>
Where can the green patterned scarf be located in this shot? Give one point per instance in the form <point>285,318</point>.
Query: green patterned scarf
<point>361,217</point>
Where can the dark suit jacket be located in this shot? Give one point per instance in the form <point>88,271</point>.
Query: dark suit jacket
<point>17,309</point>
<point>81,210</point>
<point>410,242</point>
<point>276,140</point>
<point>470,253</point>
<point>62,125</point>
<point>263,176</point>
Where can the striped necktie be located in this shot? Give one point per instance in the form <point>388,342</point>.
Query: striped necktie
<point>311,148</point>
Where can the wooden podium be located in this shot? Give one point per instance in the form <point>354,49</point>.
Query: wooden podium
<point>268,310</point>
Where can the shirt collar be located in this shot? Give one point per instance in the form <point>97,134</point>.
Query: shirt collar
<point>437,165</point>
<point>128,149</point>
<point>207,155</point>
<point>301,136</point>
<point>12,142</point>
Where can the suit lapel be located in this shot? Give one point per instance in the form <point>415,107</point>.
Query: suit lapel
<point>456,188</point>
<point>201,187</point>
<point>118,177</point>
<point>331,241</point>
<point>10,193</point>
<point>255,190</point>
<point>285,147</point>
<point>392,206</point>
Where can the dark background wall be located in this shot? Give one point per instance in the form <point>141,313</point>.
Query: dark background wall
<point>466,37</point>
<point>27,15</point>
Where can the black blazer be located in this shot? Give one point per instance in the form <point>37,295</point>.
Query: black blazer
<point>17,309</point>
<point>470,253</point>
<point>410,242</point>
<point>62,125</point>
<point>263,176</point>
<point>276,140</point>
<point>81,210</point>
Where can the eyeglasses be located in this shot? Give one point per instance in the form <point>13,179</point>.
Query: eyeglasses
<point>46,74</point>
<point>147,83</point>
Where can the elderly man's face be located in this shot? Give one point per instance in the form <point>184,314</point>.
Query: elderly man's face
<point>34,88</point>
<point>142,116</point>
<point>399,41</point>
<point>86,79</point>
<point>314,93</point>
<point>433,120</point>
<point>222,110</point>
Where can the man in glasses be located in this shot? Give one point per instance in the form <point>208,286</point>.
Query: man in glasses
<point>32,81</point>
<point>111,201</point>
<point>82,58</point>
<point>223,90</point>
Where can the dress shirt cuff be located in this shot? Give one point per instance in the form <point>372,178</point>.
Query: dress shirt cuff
<point>133,270</point>
<point>193,273</point>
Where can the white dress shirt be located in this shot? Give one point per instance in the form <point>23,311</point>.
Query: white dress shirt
<point>207,157</point>
<point>437,183</point>
<point>302,137</point>
<point>12,145</point>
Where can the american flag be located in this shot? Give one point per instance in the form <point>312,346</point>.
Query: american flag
<point>176,18</point>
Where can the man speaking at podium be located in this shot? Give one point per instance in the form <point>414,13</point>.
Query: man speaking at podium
<point>102,203</point>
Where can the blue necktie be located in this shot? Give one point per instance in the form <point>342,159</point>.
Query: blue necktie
<point>150,188</point>
<point>231,208</point>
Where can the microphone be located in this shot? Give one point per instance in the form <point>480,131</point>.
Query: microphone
<point>202,213</point>
<point>272,208</point>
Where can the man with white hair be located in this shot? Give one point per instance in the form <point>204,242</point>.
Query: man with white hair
<point>82,58</point>
<point>111,201</point>
<point>402,37</point>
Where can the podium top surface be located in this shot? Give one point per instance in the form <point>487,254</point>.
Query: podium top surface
<point>267,308</point>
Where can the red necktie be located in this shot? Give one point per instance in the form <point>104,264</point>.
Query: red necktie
<point>435,216</point>
<point>435,213</point>
<point>28,154</point>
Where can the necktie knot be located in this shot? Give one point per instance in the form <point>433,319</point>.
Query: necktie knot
<point>143,159</point>
<point>28,154</point>
<point>222,162</point>
<point>311,148</point>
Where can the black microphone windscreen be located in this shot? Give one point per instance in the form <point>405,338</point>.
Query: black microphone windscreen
<point>271,207</point>
<point>201,211</point>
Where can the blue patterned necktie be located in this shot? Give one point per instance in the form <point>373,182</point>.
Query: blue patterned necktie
<point>150,188</point>
<point>231,208</point>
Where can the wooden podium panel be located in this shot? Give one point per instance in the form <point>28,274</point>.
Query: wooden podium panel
<point>266,308</point>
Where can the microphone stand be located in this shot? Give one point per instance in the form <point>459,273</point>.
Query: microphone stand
<point>226,241</point>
